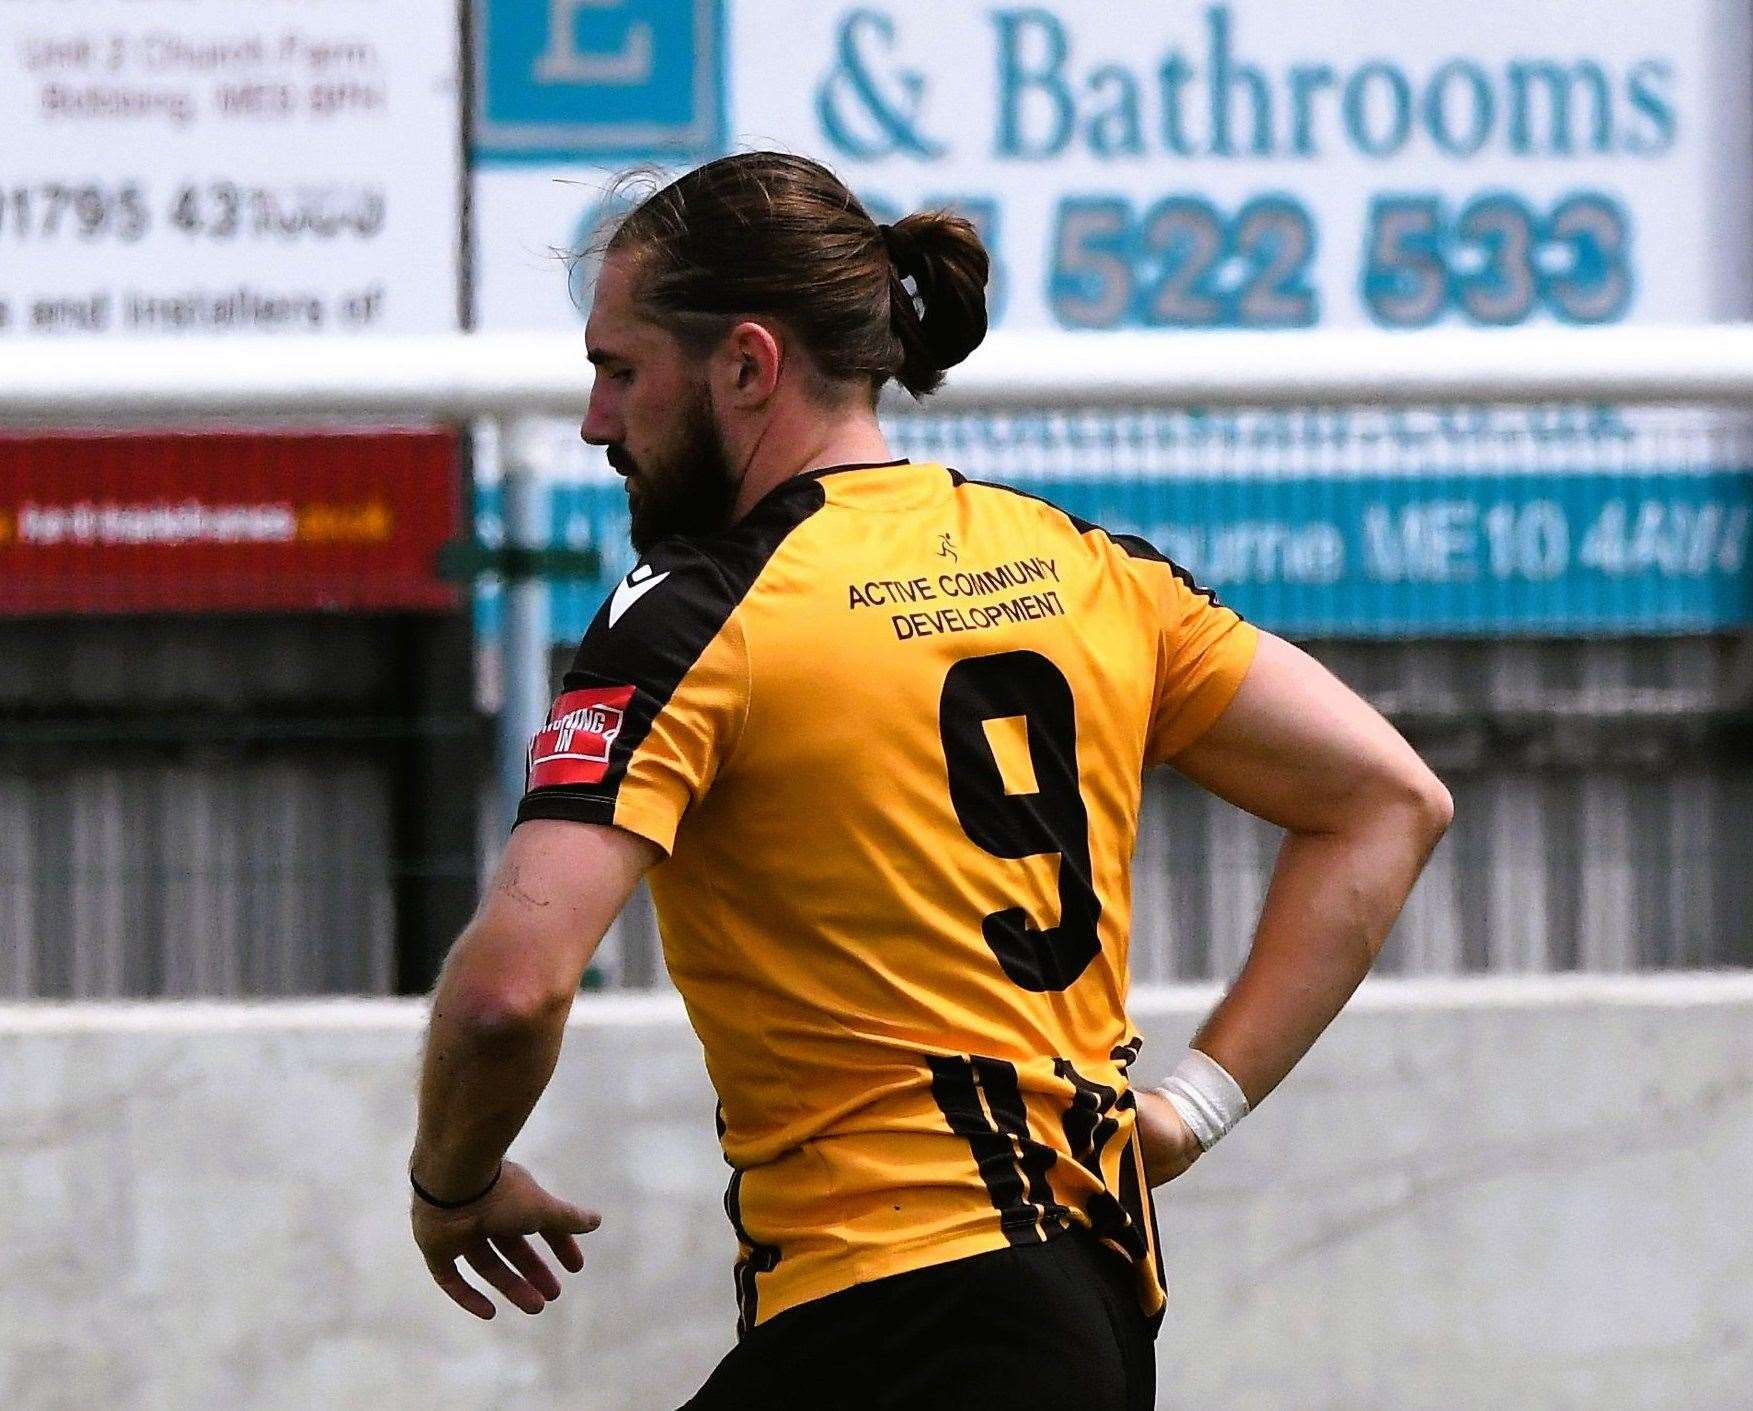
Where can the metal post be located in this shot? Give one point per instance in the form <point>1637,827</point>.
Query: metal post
<point>523,627</point>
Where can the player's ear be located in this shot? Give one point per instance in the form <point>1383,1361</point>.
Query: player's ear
<point>748,364</point>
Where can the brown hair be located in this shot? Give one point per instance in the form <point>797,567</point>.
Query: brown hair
<point>763,233</point>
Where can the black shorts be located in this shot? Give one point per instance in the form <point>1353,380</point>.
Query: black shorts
<point>1051,1327</point>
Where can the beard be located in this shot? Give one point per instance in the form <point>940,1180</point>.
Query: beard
<point>687,489</point>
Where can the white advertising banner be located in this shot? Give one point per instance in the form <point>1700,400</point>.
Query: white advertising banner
<point>228,167</point>
<point>1211,164</point>
<point>1170,163</point>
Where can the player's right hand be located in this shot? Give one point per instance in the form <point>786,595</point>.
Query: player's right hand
<point>492,1237</point>
<point>1168,1143</point>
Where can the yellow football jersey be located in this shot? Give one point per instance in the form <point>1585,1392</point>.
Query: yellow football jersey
<point>889,730</point>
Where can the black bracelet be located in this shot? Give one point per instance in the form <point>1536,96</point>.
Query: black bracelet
<point>431,1199</point>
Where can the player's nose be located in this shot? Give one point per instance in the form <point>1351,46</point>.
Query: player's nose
<point>594,430</point>
<point>599,428</point>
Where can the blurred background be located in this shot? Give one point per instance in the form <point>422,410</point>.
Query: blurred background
<point>268,656</point>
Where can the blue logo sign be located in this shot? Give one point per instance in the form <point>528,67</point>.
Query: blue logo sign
<point>598,79</point>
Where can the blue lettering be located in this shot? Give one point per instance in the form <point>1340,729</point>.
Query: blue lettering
<point>1646,88</point>
<point>1174,74</point>
<point>1306,80</point>
<point>1357,110</point>
<point>1116,130</point>
<point>1216,102</point>
<point>1044,77</point>
<point>1446,130</point>
<point>888,120</point>
<point>1528,79</point>
<point>1226,74</point>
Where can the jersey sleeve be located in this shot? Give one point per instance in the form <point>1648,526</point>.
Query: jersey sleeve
<point>651,706</point>
<point>1204,650</point>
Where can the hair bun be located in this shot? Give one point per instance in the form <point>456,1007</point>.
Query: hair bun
<point>942,254</point>
<point>902,247</point>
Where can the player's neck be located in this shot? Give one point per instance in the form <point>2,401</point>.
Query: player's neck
<point>804,439</point>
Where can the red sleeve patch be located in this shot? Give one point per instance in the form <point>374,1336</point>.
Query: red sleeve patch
<point>573,747</point>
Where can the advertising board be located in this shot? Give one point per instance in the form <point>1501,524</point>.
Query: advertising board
<point>274,520</point>
<point>1349,544</point>
<point>1182,165</point>
<point>228,167</point>
<point>1170,165</point>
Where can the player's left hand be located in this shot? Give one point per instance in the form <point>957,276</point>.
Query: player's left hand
<point>492,1237</point>
<point>1168,1142</point>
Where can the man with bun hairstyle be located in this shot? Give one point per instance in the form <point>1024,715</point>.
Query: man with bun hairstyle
<point>876,732</point>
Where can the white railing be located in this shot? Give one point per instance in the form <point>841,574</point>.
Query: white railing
<point>498,374</point>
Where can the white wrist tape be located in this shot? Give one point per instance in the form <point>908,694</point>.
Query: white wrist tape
<point>1209,1100</point>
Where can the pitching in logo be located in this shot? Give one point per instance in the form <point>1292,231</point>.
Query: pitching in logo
<point>573,747</point>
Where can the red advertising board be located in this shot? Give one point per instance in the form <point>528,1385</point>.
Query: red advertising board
<point>258,521</point>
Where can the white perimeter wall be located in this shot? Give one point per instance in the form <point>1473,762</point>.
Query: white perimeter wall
<point>1473,1194</point>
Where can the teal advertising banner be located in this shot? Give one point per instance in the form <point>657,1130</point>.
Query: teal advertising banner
<point>1436,554</point>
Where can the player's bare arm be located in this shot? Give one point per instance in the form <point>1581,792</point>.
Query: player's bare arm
<point>1361,813</point>
<point>498,1017</point>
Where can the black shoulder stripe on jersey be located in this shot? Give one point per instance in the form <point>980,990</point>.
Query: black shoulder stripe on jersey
<point>1141,548</point>
<point>760,1258</point>
<point>656,642</point>
<point>826,470</point>
<point>1135,545</point>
